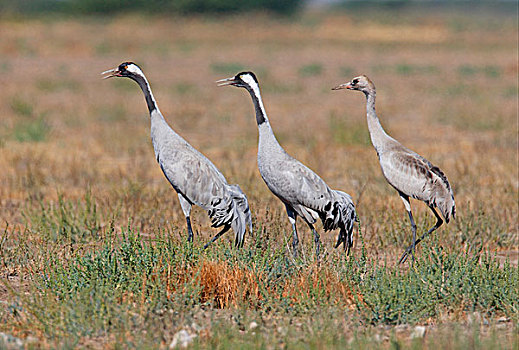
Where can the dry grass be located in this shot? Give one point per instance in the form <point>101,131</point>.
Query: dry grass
<point>447,88</point>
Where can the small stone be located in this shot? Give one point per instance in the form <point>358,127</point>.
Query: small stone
<point>253,325</point>
<point>182,339</point>
<point>418,332</point>
<point>503,319</point>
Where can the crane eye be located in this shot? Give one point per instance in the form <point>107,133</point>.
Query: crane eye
<point>355,81</point>
<point>125,67</point>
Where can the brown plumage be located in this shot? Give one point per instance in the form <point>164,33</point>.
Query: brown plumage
<point>409,173</point>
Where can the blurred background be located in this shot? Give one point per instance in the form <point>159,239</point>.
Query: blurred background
<point>446,74</point>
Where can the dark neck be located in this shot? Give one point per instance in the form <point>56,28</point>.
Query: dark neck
<point>261,116</point>
<point>148,95</point>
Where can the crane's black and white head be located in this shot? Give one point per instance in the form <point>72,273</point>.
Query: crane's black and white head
<point>248,81</point>
<point>360,83</point>
<point>125,69</point>
<point>245,80</point>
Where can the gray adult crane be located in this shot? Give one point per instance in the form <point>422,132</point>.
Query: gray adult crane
<point>192,175</point>
<point>409,173</point>
<point>302,191</point>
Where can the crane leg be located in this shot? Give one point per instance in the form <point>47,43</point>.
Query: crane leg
<point>186,208</point>
<point>410,249</point>
<point>317,241</point>
<point>439,222</point>
<point>189,230</point>
<point>224,229</point>
<point>292,218</point>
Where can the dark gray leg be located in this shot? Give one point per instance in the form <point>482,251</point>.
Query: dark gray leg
<point>186,208</point>
<point>439,222</point>
<point>407,205</point>
<point>316,239</point>
<point>225,229</point>
<point>292,218</point>
<point>189,230</point>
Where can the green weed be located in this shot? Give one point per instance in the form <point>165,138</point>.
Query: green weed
<point>489,71</point>
<point>226,68</point>
<point>409,69</point>
<point>65,221</point>
<point>310,70</point>
<point>51,85</point>
<point>347,132</point>
<point>31,130</point>
<point>21,107</point>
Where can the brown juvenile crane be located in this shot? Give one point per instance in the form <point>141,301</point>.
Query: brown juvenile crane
<point>409,173</point>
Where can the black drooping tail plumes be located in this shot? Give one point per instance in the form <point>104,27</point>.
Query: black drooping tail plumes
<point>233,212</point>
<point>341,215</point>
<point>242,216</point>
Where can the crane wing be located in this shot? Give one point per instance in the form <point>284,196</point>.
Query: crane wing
<point>418,178</point>
<point>193,175</point>
<point>406,173</point>
<point>298,186</point>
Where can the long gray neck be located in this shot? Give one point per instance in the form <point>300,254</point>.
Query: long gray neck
<point>376,132</point>
<point>148,95</point>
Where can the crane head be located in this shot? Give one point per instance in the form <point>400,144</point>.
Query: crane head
<point>360,83</point>
<point>246,80</point>
<point>125,69</point>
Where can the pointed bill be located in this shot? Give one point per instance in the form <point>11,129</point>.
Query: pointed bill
<point>342,86</point>
<point>224,82</point>
<point>112,73</point>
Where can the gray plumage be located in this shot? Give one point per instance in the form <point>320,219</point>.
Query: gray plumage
<point>192,175</point>
<point>409,173</point>
<point>302,191</point>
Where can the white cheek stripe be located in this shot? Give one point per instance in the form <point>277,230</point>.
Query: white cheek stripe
<point>134,69</point>
<point>252,83</point>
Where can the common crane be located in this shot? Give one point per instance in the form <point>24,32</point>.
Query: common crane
<point>302,191</point>
<point>195,179</point>
<point>409,173</point>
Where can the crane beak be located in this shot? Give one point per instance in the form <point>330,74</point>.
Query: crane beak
<point>343,86</point>
<point>227,81</point>
<point>111,73</point>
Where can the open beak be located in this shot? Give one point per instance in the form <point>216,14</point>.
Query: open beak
<point>343,86</point>
<point>111,73</point>
<point>227,81</point>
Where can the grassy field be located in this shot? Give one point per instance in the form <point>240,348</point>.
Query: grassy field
<point>92,237</point>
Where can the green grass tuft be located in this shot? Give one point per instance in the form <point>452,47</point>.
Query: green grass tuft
<point>31,130</point>
<point>226,68</point>
<point>309,70</point>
